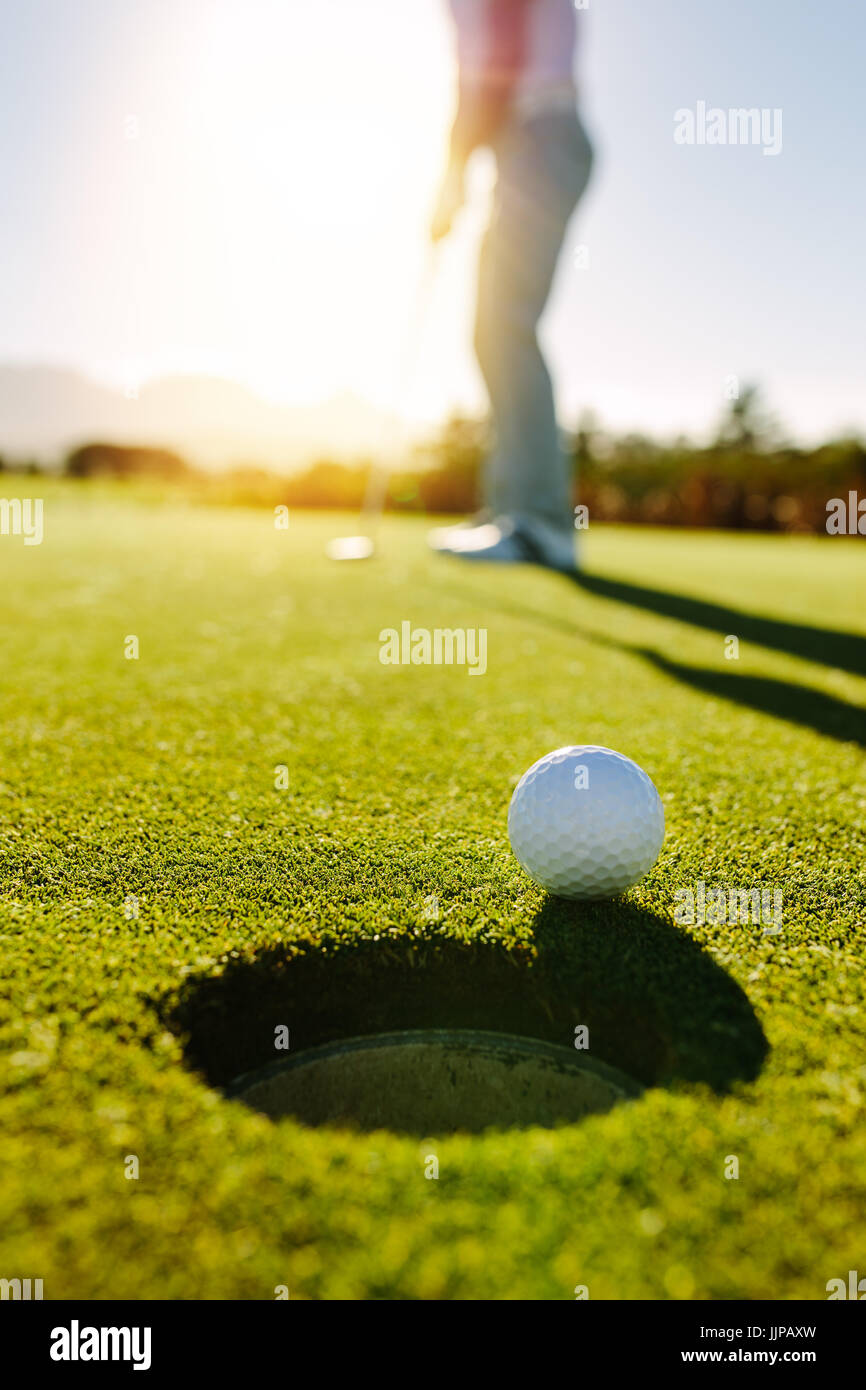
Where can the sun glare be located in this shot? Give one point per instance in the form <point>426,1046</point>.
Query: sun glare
<point>308,144</point>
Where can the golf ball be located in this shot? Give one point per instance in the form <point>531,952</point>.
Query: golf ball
<point>586,822</point>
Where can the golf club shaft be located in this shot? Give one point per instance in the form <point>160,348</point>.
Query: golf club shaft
<point>377,484</point>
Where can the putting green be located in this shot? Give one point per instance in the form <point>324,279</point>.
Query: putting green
<point>255,825</point>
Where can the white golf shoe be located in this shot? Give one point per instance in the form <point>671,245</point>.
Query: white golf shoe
<point>507,542</point>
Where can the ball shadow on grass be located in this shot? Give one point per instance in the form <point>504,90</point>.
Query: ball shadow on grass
<point>657,1007</point>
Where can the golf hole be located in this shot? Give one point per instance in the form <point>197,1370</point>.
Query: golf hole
<point>435,1081</point>
<point>431,1034</point>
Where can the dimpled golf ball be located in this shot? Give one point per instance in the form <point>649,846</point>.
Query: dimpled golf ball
<point>586,822</point>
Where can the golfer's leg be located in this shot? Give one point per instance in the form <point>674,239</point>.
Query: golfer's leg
<point>543,168</point>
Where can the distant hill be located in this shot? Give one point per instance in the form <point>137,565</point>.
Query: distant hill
<point>46,411</point>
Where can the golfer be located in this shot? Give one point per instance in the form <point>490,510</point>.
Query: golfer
<point>517,96</point>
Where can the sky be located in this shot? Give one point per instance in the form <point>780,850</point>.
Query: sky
<point>243,187</point>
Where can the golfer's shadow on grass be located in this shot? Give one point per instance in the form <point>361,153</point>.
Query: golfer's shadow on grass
<point>798,704</point>
<point>654,1005</point>
<point>843,651</point>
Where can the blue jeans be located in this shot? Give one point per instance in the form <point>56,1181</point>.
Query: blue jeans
<point>543,168</point>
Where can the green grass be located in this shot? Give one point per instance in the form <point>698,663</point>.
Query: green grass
<point>154,779</point>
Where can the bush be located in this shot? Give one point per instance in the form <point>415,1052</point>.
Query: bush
<point>118,461</point>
